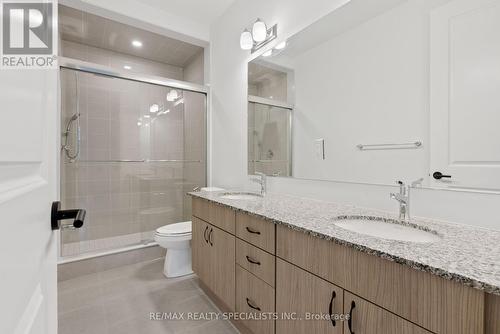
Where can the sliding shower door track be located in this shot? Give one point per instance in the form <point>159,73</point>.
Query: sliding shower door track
<point>80,65</point>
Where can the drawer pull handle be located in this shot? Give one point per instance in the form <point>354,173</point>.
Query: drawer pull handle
<point>249,259</point>
<point>252,306</point>
<point>205,234</point>
<point>349,321</point>
<point>330,308</point>
<point>252,231</point>
<point>210,237</point>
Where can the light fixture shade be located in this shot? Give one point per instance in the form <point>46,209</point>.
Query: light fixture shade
<point>154,108</point>
<point>259,31</point>
<point>246,40</point>
<point>172,95</point>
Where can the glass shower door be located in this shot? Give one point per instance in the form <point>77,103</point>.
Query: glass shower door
<point>141,147</point>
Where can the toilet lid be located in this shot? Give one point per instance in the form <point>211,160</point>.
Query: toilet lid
<point>175,229</point>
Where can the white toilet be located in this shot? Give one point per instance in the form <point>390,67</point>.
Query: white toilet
<point>176,239</point>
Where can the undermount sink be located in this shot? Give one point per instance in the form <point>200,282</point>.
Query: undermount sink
<point>385,228</point>
<point>241,196</point>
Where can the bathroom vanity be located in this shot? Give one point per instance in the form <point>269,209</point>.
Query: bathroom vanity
<point>285,255</point>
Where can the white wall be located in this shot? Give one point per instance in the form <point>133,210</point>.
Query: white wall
<point>229,121</point>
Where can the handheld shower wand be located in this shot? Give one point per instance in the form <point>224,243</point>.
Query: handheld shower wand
<point>76,117</point>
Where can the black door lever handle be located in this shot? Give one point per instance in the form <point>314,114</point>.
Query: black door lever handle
<point>78,216</point>
<point>439,176</point>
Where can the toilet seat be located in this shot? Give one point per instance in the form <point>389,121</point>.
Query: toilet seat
<point>177,229</point>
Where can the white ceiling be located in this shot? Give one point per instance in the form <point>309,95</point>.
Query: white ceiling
<point>84,28</point>
<point>201,11</point>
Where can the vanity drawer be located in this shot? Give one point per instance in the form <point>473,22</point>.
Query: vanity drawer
<point>256,261</point>
<point>436,304</point>
<point>217,215</point>
<point>256,231</point>
<point>256,298</point>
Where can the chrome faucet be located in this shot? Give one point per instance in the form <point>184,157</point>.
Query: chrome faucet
<point>262,181</point>
<point>403,199</point>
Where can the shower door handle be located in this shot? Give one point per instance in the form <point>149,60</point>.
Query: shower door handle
<point>78,216</point>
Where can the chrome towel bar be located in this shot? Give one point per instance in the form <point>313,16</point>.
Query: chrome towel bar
<point>136,161</point>
<point>399,146</point>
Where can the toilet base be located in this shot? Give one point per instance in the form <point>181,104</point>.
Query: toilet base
<point>177,263</point>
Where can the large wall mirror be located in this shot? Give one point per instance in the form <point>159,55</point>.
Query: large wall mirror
<point>379,91</point>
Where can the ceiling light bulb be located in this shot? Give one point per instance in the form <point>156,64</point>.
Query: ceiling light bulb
<point>267,53</point>
<point>154,108</point>
<point>280,46</point>
<point>137,43</point>
<point>246,40</point>
<point>127,67</point>
<point>139,123</point>
<point>259,31</point>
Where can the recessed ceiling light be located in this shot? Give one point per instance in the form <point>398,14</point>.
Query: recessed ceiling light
<point>280,46</point>
<point>267,53</point>
<point>137,43</point>
<point>127,67</point>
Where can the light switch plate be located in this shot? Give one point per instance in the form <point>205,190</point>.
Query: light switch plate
<point>319,145</point>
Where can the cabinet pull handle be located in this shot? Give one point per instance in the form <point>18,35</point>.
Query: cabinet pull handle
<point>249,259</point>
<point>252,231</point>
<point>252,306</point>
<point>210,237</point>
<point>330,308</point>
<point>349,321</point>
<point>205,234</point>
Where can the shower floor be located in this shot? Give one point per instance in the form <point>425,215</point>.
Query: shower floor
<point>105,244</point>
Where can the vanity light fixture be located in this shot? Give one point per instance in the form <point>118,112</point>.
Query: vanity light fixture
<point>246,40</point>
<point>259,36</point>
<point>154,108</point>
<point>259,31</point>
<point>136,43</point>
<point>172,95</point>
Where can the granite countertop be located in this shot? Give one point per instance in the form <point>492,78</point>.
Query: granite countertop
<point>465,254</point>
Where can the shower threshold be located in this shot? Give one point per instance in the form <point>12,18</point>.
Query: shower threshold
<point>80,250</point>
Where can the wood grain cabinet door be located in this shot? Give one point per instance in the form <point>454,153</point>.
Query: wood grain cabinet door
<point>221,267</point>
<point>306,296</point>
<point>368,318</point>
<point>200,250</point>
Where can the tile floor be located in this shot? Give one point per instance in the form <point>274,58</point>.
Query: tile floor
<point>119,301</point>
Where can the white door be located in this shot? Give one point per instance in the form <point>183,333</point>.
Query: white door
<point>465,94</point>
<point>28,170</point>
